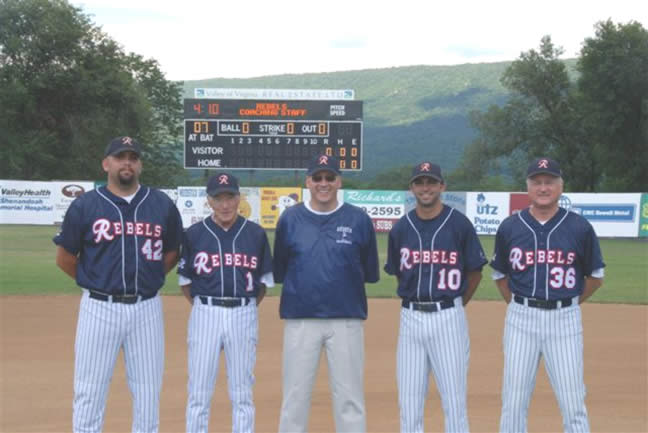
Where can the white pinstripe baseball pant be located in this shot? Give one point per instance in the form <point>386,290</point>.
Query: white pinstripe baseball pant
<point>436,342</point>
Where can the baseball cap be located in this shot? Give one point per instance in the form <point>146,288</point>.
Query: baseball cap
<point>122,144</point>
<point>426,168</point>
<point>544,165</point>
<point>222,182</point>
<point>323,162</point>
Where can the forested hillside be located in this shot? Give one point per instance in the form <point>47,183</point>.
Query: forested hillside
<point>409,112</point>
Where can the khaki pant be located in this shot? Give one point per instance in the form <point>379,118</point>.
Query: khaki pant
<point>343,342</point>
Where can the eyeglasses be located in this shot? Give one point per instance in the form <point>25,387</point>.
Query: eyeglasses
<point>328,177</point>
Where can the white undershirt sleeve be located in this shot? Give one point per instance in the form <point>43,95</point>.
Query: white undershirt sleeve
<point>268,279</point>
<point>598,273</point>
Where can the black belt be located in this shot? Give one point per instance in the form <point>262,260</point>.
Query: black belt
<point>121,299</point>
<point>224,302</point>
<point>544,304</point>
<point>429,307</point>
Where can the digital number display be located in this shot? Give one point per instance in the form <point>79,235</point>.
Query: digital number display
<point>271,134</point>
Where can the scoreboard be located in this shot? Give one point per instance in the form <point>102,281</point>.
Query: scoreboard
<point>271,134</point>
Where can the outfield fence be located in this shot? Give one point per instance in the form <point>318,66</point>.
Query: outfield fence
<point>612,214</point>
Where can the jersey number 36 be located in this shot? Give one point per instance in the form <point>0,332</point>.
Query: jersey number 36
<point>562,278</point>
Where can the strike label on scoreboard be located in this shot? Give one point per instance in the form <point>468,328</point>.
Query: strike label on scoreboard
<point>271,134</point>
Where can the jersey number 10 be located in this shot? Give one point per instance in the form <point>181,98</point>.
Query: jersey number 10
<point>449,278</point>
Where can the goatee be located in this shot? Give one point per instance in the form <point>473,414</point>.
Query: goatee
<point>126,181</point>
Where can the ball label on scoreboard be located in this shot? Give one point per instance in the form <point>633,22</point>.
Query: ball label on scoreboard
<point>271,135</point>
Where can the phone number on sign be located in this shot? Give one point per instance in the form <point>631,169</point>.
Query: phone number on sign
<point>383,210</point>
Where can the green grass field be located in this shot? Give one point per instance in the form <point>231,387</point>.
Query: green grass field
<point>27,267</point>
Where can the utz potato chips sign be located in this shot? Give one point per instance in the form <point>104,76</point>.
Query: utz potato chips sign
<point>274,201</point>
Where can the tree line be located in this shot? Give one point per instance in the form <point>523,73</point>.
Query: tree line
<point>596,126</point>
<point>66,88</point>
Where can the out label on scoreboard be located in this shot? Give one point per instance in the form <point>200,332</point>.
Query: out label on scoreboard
<point>271,134</point>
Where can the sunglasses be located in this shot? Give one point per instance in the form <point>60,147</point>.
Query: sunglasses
<point>328,177</point>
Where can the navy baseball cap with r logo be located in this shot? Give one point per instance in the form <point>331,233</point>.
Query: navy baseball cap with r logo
<point>122,144</point>
<point>428,169</point>
<point>323,162</point>
<point>544,166</point>
<point>222,182</point>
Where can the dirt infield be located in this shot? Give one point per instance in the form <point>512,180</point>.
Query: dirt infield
<point>37,359</point>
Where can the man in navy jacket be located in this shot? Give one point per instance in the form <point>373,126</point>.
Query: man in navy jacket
<point>325,251</point>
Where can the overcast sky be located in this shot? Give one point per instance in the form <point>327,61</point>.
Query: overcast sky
<point>194,39</point>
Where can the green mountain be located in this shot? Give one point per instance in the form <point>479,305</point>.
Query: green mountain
<point>410,113</point>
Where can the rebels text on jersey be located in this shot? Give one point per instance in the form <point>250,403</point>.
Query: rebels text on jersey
<point>547,261</point>
<point>121,245</point>
<point>432,258</point>
<point>225,263</point>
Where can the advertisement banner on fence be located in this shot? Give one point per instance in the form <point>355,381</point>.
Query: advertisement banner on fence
<point>26,202</point>
<point>487,210</point>
<point>274,201</point>
<point>643,217</point>
<point>192,204</point>
<point>250,206</point>
<point>384,207</point>
<point>172,194</point>
<point>455,199</point>
<point>612,215</point>
<point>64,193</point>
<point>519,201</point>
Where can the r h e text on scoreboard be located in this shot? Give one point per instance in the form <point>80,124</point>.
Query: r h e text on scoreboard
<point>271,134</point>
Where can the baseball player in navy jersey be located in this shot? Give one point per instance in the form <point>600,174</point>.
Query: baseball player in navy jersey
<point>437,259</point>
<point>324,253</point>
<point>224,271</point>
<point>547,261</point>
<point>118,242</point>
